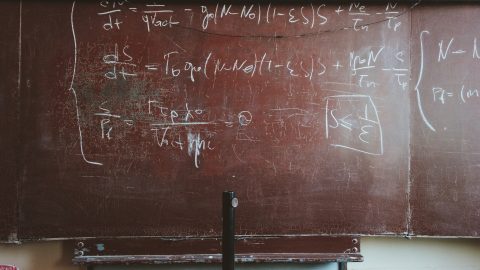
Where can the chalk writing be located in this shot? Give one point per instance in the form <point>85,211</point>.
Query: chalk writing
<point>169,85</point>
<point>311,16</point>
<point>460,95</point>
<point>352,122</point>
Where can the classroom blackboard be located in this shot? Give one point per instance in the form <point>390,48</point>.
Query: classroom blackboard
<point>325,118</point>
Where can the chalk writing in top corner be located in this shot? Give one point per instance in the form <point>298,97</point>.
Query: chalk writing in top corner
<point>154,16</point>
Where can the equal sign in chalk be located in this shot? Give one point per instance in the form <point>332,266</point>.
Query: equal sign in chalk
<point>151,67</point>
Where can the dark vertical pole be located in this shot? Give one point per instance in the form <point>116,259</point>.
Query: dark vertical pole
<point>228,235</point>
<point>342,266</point>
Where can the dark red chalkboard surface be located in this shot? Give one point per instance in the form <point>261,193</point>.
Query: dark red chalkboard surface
<point>136,127</point>
<point>10,150</point>
<point>136,116</point>
<point>445,126</point>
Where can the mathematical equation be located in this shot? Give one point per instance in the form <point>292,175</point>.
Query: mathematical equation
<point>121,64</point>
<point>450,50</point>
<point>350,120</point>
<point>311,16</point>
<point>446,60</point>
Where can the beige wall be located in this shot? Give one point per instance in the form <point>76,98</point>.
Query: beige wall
<point>38,256</point>
<point>419,254</point>
<point>380,254</point>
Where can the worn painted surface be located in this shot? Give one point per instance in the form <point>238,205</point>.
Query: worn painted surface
<point>131,119</point>
<point>139,128</point>
<point>10,147</point>
<point>446,149</point>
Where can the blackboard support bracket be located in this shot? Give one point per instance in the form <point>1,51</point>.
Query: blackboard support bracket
<point>306,249</point>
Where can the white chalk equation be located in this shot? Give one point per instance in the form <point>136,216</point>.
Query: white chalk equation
<point>185,128</point>
<point>120,66</point>
<point>192,99</point>
<point>460,95</point>
<point>352,122</point>
<point>367,66</point>
<point>152,16</point>
<point>457,88</point>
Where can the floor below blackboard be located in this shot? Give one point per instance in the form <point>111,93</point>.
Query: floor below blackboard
<point>380,253</point>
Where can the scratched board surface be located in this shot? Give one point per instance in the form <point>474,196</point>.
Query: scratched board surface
<point>141,114</point>
<point>445,130</point>
<point>9,18</point>
<point>129,119</point>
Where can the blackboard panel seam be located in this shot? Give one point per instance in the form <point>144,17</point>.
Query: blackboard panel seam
<point>13,237</point>
<point>19,87</point>
<point>409,154</point>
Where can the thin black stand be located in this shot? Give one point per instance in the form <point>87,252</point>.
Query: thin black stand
<point>230,202</point>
